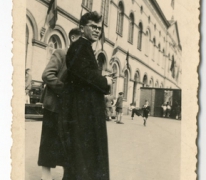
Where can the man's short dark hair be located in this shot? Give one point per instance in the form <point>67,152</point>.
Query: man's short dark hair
<point>74,31</point>
<point>93,16</point>
<point>121,93</point>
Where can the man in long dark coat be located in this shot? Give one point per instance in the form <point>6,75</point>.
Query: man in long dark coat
<point>50,149</point>
<point>82,125</point>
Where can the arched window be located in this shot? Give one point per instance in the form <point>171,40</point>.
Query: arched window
<point>154,48</point>
<point>105,10</point>
<point>151,83</point>
<point>120,17</point>
<point>53,44</point>
<point>163,58</point>
<point>168,62</point>
<point>159,51</point>
<point>147,43</point>
<point>114,85</point>
<point>30,34</point>
<point>157,84</point>
<point>101,59</point>
<point>126,80</point>
<point>172,67</point>
<point>144,81</point>
<point>87,4</point>
<point>155,27</point>
<point>139,43</point>
<point>131,27</point>
<point>141,9</point>
<point>149,19</point>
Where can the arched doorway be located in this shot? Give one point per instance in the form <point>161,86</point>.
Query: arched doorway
<point>135,89</point>
<point>101,60</point>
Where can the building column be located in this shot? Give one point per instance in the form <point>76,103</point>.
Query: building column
<point>137,100</point>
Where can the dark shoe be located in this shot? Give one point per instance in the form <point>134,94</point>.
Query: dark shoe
<point>120,122</point>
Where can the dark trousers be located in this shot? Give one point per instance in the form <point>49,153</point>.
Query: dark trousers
<point>136,111</point>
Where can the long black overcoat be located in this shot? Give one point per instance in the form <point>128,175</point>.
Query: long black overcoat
<point>82,125</point>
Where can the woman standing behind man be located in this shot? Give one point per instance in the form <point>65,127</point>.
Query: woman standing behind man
<point>145,111</point>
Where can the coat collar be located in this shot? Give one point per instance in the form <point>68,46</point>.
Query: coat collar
<point>84,40</point>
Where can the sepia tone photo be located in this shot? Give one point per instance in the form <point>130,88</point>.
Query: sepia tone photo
<point>104,90</point>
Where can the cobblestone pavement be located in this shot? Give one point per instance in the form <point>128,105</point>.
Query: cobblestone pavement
<point>135,152</point>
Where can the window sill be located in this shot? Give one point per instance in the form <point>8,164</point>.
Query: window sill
<point>86,8</point>
<point>130,42</point>
<point>119,34</point>
<point>106,24</point>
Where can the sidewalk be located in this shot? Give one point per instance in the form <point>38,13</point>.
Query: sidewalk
<point>135,152</point>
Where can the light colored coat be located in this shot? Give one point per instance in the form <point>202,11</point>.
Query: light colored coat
<point>53,76</point>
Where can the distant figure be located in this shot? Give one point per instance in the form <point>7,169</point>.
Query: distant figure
<point>28,79</point>
<point>168,110</point>
<point>109,101</point>
<point>119,105</point>
<point>145,111</point>
<point>177,110</point>
<point>164,109</point>
<point>135,110</point>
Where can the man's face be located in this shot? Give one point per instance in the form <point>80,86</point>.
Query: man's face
<point>92,31</point>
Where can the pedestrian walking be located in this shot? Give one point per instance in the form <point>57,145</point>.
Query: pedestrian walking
<point>51,149</point>
<point>109,101</point>
<point>177,109</point>
<point>135,110</point>
<point>168,110</point>
<point>145,112</point>
<point>119,105</point>
<point>82,124</point>
<point>164,109</point>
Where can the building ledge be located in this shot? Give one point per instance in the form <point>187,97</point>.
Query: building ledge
<point>38,43</point>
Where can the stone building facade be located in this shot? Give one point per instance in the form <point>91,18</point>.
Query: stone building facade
<point>135,26</point>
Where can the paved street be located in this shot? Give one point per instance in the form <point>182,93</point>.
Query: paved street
<point>136,152</point>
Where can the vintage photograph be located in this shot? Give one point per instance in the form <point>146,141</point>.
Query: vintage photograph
<point>103,89</point>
